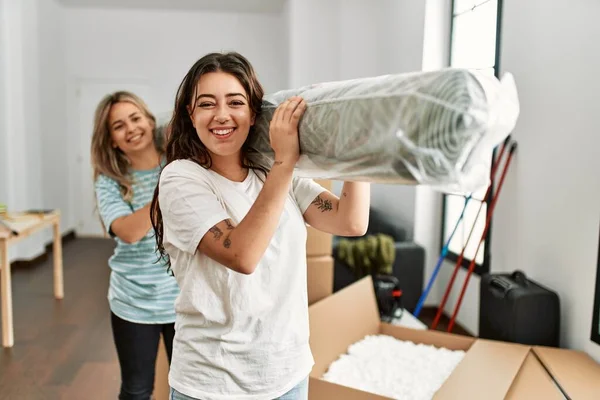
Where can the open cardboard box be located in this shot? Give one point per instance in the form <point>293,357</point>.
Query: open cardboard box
<point>489,370</point>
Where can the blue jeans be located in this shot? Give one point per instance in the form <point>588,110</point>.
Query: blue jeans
<point>298,392</point>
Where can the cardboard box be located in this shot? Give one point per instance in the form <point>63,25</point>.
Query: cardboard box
<point>319,277</point>
<point>490,369</point>
<point>318,243</point>
<point>161,373</point>
<point>327,184</point>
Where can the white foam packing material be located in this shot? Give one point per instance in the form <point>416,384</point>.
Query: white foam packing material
<point>394,368</point>
<point>435,128</point>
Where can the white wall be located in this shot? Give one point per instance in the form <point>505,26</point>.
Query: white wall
<point>54,140</point>
<point>554,191</point>
<point>152,49</point>
<point>22,129</point>
<point>313,41</point>
<point>3,102</point>
<point>160,46</point>
<point>546,220</point>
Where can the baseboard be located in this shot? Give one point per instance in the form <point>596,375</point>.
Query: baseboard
<point>66,237</point>
<point>427,315</point>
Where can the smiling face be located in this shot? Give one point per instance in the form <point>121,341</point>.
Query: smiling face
<point>130,129</point>
<point>221,116</point>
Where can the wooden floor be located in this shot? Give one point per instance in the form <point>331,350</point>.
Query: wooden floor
<point>427,316</point>
<point>63,348</point>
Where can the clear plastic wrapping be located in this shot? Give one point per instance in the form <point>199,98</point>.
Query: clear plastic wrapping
<point>435,128</point>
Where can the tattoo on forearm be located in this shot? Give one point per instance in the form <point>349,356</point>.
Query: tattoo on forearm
<point>227,243</point>
<point>217,233</point>
<point>323,204</point>
<point>229,224</point>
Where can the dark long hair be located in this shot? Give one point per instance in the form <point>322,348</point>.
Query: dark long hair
<point>183,142</point>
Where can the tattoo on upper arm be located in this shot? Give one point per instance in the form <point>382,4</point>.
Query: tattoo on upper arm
<point>217,233</point>
<point>227,243</point>
<point>229,224</point>
<point>345,194</point>
<point>322,204</point>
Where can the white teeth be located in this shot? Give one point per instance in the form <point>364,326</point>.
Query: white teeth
<point>222,131</point>
<point>135,138</point>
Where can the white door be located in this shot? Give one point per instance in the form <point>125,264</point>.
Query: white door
<point>88,95</point>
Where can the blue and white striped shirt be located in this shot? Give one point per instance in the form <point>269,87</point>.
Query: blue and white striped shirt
<point>141,289</point>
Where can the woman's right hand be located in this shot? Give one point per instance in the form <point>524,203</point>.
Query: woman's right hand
<point>283,130</point>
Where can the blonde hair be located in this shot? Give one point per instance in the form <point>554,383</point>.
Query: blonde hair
<point>108,160</point>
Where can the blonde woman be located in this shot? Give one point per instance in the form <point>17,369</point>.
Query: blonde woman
<point>127,158</point>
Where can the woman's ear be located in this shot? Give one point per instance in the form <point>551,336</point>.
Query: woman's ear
<point>252,119</point>
<point>190,114</point>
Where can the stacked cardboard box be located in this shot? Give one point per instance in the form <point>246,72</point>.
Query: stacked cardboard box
<point>489,370</point>
<point>319,260</point>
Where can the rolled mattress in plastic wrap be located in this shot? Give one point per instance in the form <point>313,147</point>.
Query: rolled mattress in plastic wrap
<point>435,128</point>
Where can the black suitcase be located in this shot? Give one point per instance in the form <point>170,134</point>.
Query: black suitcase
<point>515,309</point>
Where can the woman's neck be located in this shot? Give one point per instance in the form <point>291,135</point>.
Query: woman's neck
<point>145,160</point>
<point>229,167</point>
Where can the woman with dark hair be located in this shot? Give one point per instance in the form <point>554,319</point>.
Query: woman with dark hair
<point>235,238</point>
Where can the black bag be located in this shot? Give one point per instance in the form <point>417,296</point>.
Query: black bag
<point>389,297</point>
<point>515,309</point>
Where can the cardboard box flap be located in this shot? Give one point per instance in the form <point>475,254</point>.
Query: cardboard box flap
<point>340,320</point>
<point>532,382</point>
<point>488,370</point>
<point>319,277</point>
<point>575,372</point>
<point>438,339</point>
<point>323,390</point>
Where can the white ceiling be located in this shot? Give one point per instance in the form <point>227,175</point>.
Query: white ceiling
<point>259,6</point>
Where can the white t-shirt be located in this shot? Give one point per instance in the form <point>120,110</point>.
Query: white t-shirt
<point>237,336</point>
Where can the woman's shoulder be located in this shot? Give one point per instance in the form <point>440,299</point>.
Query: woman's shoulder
<point>183,165</point>
<point>105,181</point>
<point>184,169</point>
